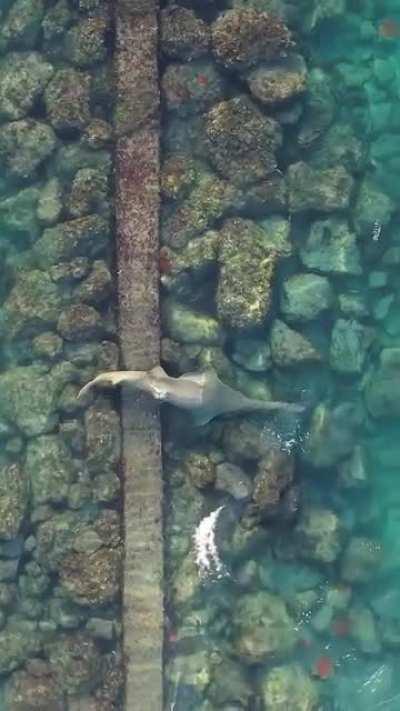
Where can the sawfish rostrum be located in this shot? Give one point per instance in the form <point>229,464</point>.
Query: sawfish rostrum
<point>203,394</point>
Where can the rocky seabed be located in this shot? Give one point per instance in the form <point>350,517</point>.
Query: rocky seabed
<point>279,269</point>
<point>60,538</point>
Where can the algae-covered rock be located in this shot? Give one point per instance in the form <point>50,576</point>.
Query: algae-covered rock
<point>50,202</point>
<point>85,42</point>
<point>21,26</point>
<point>353,472</point>
<point>277,235</point>
<point>331,248</point>
<point>319,535</point>
<point>50,469</point>
<point>229,685</point>
<point>67,100</point>
<point>34,690</point>
<point>78,322</point>
<point>278,83</point>
<point>274,475</point>
<point>89,193</point>
<point>289,688</point>
<point>242,141</point>
<point>263,627</point>
<point>14,493</point>
<point>103,438</point>
<point>18,214</point>
<point>75,660</point>
<point>56,21</point>
<point>183,35</point>
<point>200,469</point>
<point>332,434</point>
<point>350,341</point>
<point>85,236</point>
<point>24,145</point>
<point>19,641</point>
<point>191,88</point>
<point>382,386</point>
<point>188,326</point>
<point>91,578</point>
<point>247,266</point>
<point>373,207</point>
<point>33,305</point>
<point>23,77</point>
<point>305,297</point>
<point>97,287</point>
<point>47,345</point>
<point>320,190</point>
<point>29,397</point>
<point>178,174</point>
<point>242,38</point>
<point>289,348</point>
<point>210,199</point>
<point>252,354</point>
<point>319,107</point>
<point>361,560</point>
<point>339,146</point>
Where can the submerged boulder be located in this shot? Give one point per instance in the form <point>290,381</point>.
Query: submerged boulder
<point>263,627</point>
<point>14,493</point>
<point>33,305</point>
<point>289,348</point>
<point>24,145</point>
<point>247,266</point>
<point>244,37</point>
<point>23,78</point>
<point>319,535</point>
<point>305,297</point>
<point>289,688</point>
<point>331,248</point>
<point>320,190</point>
<point>50,468</point>
<point>242,141</point>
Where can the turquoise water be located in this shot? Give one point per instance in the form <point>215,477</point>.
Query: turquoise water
<point>60,539</point>
<point>280,271</point>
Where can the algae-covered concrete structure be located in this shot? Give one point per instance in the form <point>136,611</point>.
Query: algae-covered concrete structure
<point>137,171</point>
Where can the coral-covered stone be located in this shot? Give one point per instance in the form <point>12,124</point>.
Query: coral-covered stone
<point>191,88</point>
<point>50,468</point>
<point>24,145</point>
<point>242,38</point>
<point>23,77</point>
<point>79,322</point>
<point>321,190</point>
<point>21,26</point>
<point>263,627</point>
<point>83,237</point>
<point>75,660</point>
<point>247,266</point>
<point>67,100</point>
<point>290,348</point>
<point>85,42</point>
<point>35,690</point>
<point>183,35</point>
<point>91,579</point>
<point>33,304</point>
<point>14,493</point>
<point>278,83</point>
<point>242,141</point>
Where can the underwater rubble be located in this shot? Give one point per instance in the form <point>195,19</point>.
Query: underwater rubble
<point>279,261</point>
<point>60,537</point>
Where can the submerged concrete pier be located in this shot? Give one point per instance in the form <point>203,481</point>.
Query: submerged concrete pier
<point>137,217</point>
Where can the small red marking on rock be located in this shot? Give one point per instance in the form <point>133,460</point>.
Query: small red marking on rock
<point>323,668</point>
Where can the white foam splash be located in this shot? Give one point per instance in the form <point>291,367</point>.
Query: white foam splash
<point>207,557</point>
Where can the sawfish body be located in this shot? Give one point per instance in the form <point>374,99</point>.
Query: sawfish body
<point>203,394</point>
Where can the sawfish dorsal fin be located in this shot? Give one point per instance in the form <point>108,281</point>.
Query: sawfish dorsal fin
<point>200,377</point>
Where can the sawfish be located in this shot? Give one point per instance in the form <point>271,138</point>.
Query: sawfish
<point>201,393</point>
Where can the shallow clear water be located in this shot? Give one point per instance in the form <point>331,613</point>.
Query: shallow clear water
<point>283,537</point>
